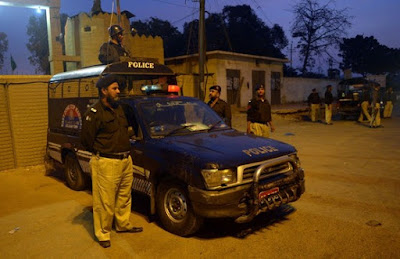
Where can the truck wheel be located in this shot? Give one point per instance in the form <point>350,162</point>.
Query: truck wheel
<point>73,173</point>
<point>175,211</point>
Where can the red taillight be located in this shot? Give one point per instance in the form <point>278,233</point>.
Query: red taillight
<point>173,89</point>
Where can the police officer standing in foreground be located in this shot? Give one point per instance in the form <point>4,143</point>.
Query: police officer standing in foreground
<point>314,101</point>
<point>259,119</point>
<point>113,51</point>
<point>328,105</point>
<point>220,106</point>
<point>105,134</point>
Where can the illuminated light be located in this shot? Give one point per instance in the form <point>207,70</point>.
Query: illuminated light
<point>150,88</point>
<point>173,89</point>
<point>39,10</point>
<point>5,3</point>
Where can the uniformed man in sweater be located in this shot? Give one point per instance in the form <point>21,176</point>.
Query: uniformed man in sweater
<point>376,107</point>
<point>314,102</point>
<point>328,105</point>
<point>389,100</point>
<point>105,134</point>
<point>364,106</point>
<point>113,50</point>
<point>220,106</point>
<point>259,119</point>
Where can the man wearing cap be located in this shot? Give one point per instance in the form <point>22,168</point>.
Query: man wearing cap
<point>105,134</point>
<point>113,51</point>
<point>219,106</point>
<point>259,119</point>
<point>314,102</point>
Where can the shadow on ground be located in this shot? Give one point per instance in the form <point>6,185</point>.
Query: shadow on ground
<point>217,228</point>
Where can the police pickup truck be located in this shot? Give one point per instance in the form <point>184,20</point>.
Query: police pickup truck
<point>188,162</point>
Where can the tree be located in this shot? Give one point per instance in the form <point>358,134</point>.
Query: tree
<point>364,55</point>
<point>38,44</point>
<point>250,35</point>
<point>237,29</point>
<point>172,38</point>
<point>3,47</point>
<point>317,27</point>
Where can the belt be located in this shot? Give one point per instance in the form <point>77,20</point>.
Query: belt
<point>260,122</point>
<point>121,155</point>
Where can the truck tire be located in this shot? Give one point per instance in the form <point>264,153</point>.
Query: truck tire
<point>73,173</point>
<point>175,211</point>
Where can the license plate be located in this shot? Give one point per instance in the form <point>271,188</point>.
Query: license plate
<point>265,194</point>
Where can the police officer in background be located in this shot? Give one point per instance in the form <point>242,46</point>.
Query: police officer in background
<point>328,105</point>
<point>113,51</point>
<point>389,100</point>
<point>220,106</point>
<point>364,106</point>
<point>376,107</point>
<point>105,134</point>
<point>314,102</point>
<point>259,119</point>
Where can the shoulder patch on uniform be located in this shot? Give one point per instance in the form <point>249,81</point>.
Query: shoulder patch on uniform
<point>93,110</point>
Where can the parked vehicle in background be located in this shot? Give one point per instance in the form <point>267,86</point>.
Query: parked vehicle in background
<point>351,92</point>
<point>188,162</point>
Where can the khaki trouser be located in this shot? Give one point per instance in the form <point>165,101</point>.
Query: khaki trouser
<point>387,112</point>
<point>260,129</point>
<point>328,113</point>
<point>111,191</point>
<point>314,112</point>
<point>376,116</point>
<point>364,112</point>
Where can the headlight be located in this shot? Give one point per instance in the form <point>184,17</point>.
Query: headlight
<point>296,158</point>
<point>215,177</point>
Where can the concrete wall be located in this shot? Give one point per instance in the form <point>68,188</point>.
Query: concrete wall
<point>296,89</point>
<point>23,120</point>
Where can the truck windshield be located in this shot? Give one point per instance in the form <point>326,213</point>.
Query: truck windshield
<point>170,117</point>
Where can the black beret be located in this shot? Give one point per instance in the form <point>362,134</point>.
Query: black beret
<point>105,81</point>
<point>258,87</point>
<point>216,87</point>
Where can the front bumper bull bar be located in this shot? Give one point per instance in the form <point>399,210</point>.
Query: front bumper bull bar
<point>284,196</point>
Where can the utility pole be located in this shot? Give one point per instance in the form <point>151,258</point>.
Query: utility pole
<point>201,89</point>
<point>291,54</point>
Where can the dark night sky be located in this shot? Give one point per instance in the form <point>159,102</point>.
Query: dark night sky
<point>380,19</point>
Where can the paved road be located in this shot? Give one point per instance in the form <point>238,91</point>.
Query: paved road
<point>351,207</point>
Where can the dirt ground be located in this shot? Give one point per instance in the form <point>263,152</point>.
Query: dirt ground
<point>351,208</point>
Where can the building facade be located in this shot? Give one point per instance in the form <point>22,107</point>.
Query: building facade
<point>237,74</point>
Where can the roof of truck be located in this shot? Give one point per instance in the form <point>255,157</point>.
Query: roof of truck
<point>143,68</point>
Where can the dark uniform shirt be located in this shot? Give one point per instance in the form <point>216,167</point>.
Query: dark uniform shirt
<point>111,52</point>
<point>105,130</point>
<point>313,98</point>
<point>389,96</point>
<point>222,109</point>
<point>375,97</point>
<point>259,111</point>
<point>365,96</point>
<point>328,97</point>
